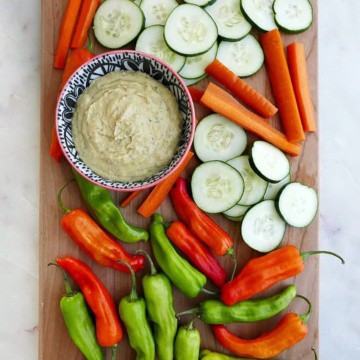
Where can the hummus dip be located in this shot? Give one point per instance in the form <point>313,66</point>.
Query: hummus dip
<point>126,126</point>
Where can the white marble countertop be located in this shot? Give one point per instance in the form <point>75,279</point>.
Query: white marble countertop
<point>340,173</point>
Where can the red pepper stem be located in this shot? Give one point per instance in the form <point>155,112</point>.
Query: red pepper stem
<point>209,292</point>
<point>61,204</point>
<point>133,294</point>
<point>113,351</point>
<point>188,312</point>
<point>315,353</point>
<point>153,270</point>
<point>68,289</point>
<point>90,45</point>
<point>305,317</point>
<point>230,252</point>
<point>306,255</point>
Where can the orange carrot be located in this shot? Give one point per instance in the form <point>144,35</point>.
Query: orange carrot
<point>224,104</point>
<point>300,81</point>
<point>241,89</point>
<point>87,13</point>
<point>281,84</point>
<point>130,198</point>
<point>66,30</point>
<point>158,195</point>
<point>195,93</point>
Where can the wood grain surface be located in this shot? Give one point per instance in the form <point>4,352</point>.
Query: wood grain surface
<point>54,341</point>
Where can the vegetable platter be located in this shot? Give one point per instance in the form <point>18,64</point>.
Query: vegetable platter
<point>54,340</point>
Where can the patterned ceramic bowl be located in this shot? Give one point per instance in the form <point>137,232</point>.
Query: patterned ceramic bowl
<point>100,66</point>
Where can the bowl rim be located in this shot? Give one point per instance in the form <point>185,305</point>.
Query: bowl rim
<point>189,101</point>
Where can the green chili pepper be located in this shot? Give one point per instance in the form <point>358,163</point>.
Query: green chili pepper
<point>79,322</point>
<point>102,207</point>
<point>187,343</point>
<point>183,275</point>
<point>132,310</point>
<point>216,312</point>
<point>211,355</point>
<point>160,306</point>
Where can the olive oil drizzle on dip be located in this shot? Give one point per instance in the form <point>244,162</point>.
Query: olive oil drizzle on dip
<point>126,126</point>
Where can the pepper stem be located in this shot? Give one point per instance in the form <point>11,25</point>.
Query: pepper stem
<point>148,258</point>
<point>190,325</point>
<point>90,45</point>
<point>133,294</point>
<point>61,204</point>
<point>113,352</point>
<point>68,289</point>
<point>306,255</point>
<point>305,317</point>
<point>188,312</point>
<point>315,353</point>
<point>209,292</point>
<point>231,253</point>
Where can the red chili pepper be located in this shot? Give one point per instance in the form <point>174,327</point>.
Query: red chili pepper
<point>108,328</point>
<point>197,252</point>
<point>95,242</point>
<point>261,273</point>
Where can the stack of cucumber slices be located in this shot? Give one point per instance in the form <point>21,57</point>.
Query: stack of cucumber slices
<point>255,189</point>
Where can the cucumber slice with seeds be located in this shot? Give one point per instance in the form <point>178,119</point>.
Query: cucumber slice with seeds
<point>201,3</point>
<point>273,189</point>
<point>260,13</point>
<point>157,11</point>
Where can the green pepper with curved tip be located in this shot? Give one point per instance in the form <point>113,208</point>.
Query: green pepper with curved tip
<point>160,306</point>
<point>132,310</point>
<point>211,355</point>
<point>102,207</point>
<point>187,343</point>
<point>183,275</point>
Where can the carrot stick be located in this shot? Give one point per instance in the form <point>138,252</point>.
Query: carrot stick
<point>66,30</point>
<point>195,93</point>
<point>87,13</point>
<point>281,84</point>
<point>130,198</point>
<point>224,104</point>
<point>300,81</point>
<point>241,89</point>
<point>160,191</point>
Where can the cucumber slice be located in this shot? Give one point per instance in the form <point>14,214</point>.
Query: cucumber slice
<point>234,219</point>
<point>293,16</point>
<point>201,3</point>
<point>273,189</point>
<point>231,23</point>
<point>237,211</point>
<point>117,22</point>
<point>190,30</point>
<point>157,11</point>
<point>255,186</point>
<point>297,204</point>
<point>137,2</point>
<point>260,13</point>
<point>217,138</point>
<point>269,162</point>
<point>216,186</point>
<point>190,82</point>
<point>262,227</point>
<point>195,65</point>
<point>151,41</point>
<point>244,57</point>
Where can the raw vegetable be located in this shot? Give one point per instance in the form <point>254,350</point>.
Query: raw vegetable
<point>108,328</point>
<point>297,204</point>
<point>103,209</point>
<point>195,93</point>
<point>262,228</point>
<point>293,16</point>
<point>159,193</point>
<point>151,41</point>
<point>198,254</point>
<point>216,186</point>
<point>83,24</point>
<point>109,20</point>
<point>261,273</point>
<point>189,82</point>
<point>187,343</point>
<point>130,198</point>
<point>244,57</point>
<point>289,331</point>
<point>200,2</point>
<point>217,138</point>
<point>236,212</point>
<point>283,90</point>
<point>224,104</point>
<point>55,149</point>
<point>241,89</point>
<point>259,13</point>
<point>273,189</point>
<point>132,310</point>
<point>230,21</point>
<point>255,186</point>
<point>157,11</point>
<point>66,31</point>
<point>212,355</point>
<point>300,80</point>
<point>190,30</point>
<point>269,162</point>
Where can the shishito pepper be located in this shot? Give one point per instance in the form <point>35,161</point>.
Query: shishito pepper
<point>211,355</point>
<point>79,322</point>
<point>103,209</point>
<point>184,276</point>
<point>160,306</point>
<point>216,312</point>
<point>132,310</point>
<point>289,331</point>
<point>187,343</point>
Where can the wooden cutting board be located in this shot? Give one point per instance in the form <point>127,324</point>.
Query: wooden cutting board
<point>54,341</point>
